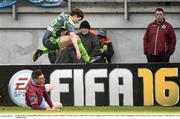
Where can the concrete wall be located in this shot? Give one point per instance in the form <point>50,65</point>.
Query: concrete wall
<point>20,38</point>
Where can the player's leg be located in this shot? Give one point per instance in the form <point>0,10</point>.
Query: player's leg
<point>48,87</point>
<point>39,52</point>
<point>65,41</point>
<point>50,44</point>
<point>58,105</point>
<point>44,104</point>
<point>83,51</point>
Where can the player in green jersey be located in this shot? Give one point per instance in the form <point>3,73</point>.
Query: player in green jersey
<point>53,40</point>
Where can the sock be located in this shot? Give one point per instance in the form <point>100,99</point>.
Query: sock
<point>83,51</point>
<point>45,51</point>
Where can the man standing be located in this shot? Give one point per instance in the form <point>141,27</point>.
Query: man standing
<point>159,39</point>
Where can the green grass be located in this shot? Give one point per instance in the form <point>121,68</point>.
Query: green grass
<point>94,110</point>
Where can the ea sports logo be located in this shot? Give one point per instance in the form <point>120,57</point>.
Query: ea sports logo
<point>17,86</point>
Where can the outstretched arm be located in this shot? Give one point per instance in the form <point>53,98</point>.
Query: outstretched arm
<point>33,99</point>
<point>75,43</point>
<point>47,98</point>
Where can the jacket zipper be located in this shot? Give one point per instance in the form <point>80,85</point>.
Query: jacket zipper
<point>157,32</point>
<point>165,47</point>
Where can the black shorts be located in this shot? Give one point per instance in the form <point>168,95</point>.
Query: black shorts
<point>47,43</point>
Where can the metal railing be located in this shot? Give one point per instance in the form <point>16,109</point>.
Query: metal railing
<point>125,2</point>
<point>126,13</point>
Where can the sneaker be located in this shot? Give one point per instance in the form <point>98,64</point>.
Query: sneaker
<point>94,59</point>
<point>37,54</point>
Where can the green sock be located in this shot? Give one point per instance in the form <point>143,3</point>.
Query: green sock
<point>45,51</point>
<point>83,51</point>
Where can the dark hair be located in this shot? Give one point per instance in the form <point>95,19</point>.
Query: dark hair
<point>85,24</point>
<point>159,9</point>
<point>36,73</point>
<point>78,12</point>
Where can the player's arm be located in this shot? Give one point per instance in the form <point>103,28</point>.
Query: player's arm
<point>74,40</point>
<point>73,37</point>
<point>47,99</point>
<point>145,40</point>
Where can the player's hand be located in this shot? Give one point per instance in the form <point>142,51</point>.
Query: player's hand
<point>78,54</point>
<point>63,33</point>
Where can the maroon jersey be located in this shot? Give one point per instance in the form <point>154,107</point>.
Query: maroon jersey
<point>34,95</point>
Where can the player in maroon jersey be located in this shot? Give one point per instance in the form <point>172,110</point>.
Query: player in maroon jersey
<point>36,95</point>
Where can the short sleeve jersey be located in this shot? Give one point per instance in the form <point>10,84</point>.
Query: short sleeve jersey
<point>60,23</point>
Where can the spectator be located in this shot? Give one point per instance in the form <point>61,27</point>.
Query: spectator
<point>89,41</point>
<point>159,39</point>
<point>106,46</point>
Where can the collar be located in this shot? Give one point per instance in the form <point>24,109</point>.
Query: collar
<point>155,22</point>
<point>34,83</point>
<point>70,20</point>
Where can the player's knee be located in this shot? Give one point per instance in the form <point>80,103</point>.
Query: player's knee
<point>49,87</point>
<point>58,105</point>
<point>78,38</point>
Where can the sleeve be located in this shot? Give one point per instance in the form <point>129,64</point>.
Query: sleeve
<point>47,99</point>
<point>145,41</point>
<point>171,41</point>
<point>69,27</point>
<point>95,47</point>
<point>110,52</point>
<point>33,98</point>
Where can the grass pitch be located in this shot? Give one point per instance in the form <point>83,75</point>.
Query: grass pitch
<point>94,110</point>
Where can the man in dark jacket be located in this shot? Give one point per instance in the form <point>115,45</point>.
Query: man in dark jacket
<point>159,39</point>
<point>89,41</point>
<point>106,46</point>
